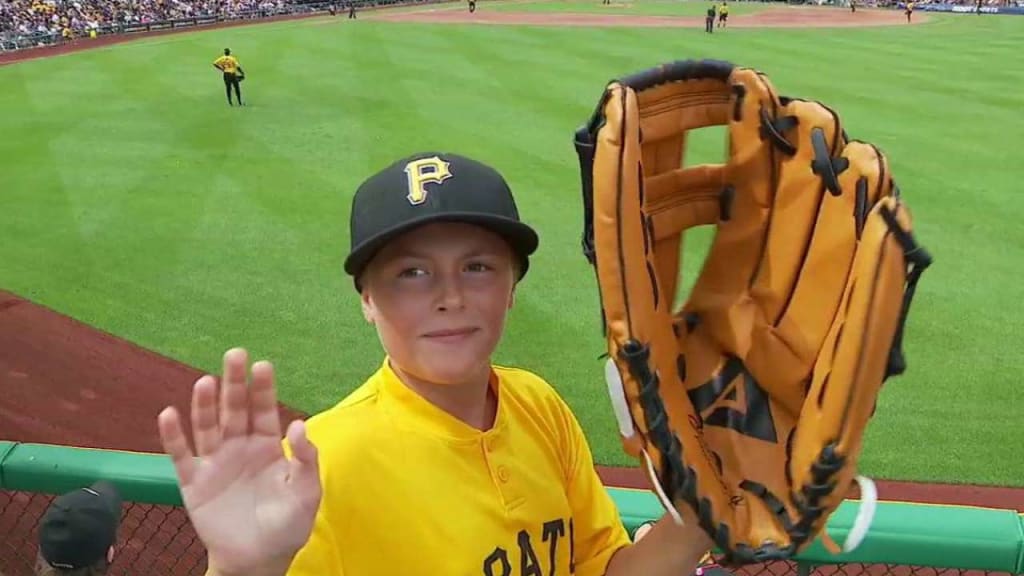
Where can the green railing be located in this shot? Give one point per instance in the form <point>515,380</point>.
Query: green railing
<point>156,538</point>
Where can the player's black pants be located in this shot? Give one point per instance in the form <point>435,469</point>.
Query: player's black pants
<point>231,80</point>
<point>709,24</point>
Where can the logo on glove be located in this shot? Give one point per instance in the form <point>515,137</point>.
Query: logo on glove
<point>717,401</point>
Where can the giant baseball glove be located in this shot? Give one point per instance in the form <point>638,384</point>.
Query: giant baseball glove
<point>747,403</point>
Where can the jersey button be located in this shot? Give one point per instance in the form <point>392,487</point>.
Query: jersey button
<point>503,474</point>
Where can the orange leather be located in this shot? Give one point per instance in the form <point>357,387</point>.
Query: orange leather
<point>782,345</point>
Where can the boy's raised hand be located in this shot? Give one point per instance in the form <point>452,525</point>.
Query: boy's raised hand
<point>252,507</point>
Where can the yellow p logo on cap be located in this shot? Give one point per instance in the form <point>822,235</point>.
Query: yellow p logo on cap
<point>425,171</point>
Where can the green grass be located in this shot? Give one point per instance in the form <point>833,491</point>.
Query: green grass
<point>632,7</point>
<point>135,200</point>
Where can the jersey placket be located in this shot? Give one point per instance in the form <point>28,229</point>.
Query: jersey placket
<point>503,474</point>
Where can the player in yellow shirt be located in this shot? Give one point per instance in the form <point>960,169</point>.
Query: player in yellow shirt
<point>233,75</point>
<point>723,15</point>
<point>441,463</point>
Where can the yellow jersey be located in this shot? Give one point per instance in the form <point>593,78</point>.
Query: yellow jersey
<point>410,489</point>
<point>228,64</point>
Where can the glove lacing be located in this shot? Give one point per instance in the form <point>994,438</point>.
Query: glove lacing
<point>617,393</point>
<point>869,492</point>
<point>861,524</point>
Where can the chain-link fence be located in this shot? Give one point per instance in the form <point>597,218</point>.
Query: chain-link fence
<point>792,568</point>
<point>153,540</point>
<point>159,541</point>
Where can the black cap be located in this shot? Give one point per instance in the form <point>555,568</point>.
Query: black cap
<point>79,527</point>
<point>433,187</point>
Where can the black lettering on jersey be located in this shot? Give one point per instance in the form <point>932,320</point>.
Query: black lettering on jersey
<point>553,530</point>
<point>499,555</point>
<point>572,548</point>
<point>528,563</point>
<point>498,563</point>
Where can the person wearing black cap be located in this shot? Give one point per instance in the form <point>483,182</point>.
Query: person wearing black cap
<point>78,532</point>
<point>441,462</point>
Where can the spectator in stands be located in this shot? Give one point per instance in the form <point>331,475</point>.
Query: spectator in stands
<point>67,19</point>
<point>78,532</point>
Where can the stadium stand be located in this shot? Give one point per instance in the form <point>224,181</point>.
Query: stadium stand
<point>35,23</point>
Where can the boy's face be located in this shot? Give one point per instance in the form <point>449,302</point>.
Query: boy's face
<point>438,296</point>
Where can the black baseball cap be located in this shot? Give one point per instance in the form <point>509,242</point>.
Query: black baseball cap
<point>433,187</point>
<point>79,527</point>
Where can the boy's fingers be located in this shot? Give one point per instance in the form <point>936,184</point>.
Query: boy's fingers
<point>303,467</point>
<point>176,446</point>
<point>263,399</point>
<point>205,429</point>
<point>234,395</point>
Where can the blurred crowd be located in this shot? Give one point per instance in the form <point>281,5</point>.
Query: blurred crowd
<point>76,18</point>
<point>989,3</point>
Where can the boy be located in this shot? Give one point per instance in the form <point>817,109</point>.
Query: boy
<point>440,463</point>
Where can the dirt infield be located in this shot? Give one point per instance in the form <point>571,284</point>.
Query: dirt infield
<point>63,382</point>
<point>780,17</point>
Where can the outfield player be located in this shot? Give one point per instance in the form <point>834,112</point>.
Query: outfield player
<point>233,74</point>
<point>441,462</point>
<point>723,15</point>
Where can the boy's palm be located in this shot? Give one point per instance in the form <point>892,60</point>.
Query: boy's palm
<point>252,507</point>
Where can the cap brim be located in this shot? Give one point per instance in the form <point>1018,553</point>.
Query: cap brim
<point>520,236</point>
<point>109,494</point>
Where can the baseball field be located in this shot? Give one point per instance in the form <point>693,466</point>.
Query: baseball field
<point>135,201</point>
